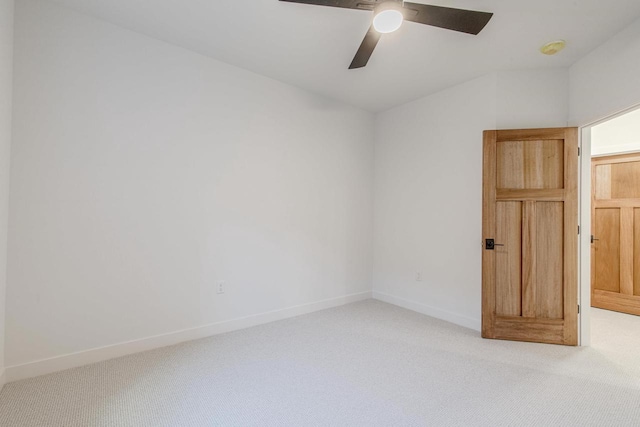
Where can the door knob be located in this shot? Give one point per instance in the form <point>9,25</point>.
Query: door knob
<point>593,239</point>
<point>491,244</point>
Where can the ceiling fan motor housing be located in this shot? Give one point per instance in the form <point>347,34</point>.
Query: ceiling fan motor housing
<point>389,4</point>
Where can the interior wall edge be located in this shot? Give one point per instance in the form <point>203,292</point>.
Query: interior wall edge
<point>87,357</point>
<point>584,242</point>
<point>7,8</point>
<point>447,316</point>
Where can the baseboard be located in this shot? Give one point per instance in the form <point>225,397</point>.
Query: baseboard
<point>87,357</point>
<point>458,319</point>
<point>3,378</point>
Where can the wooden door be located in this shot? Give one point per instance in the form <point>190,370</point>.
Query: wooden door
<point>615,218</point>
<point>530,209</point>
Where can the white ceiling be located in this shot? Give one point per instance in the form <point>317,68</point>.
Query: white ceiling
<point>312,46</point>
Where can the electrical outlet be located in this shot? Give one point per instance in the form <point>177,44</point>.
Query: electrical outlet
<point>221,287</point>
<point>418,276</point>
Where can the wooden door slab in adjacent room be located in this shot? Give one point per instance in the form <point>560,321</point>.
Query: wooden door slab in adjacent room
<point>530,235</point>
<point>615,219</point>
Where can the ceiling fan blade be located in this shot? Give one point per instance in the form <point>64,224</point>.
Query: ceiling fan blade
<point>465,21</point>
<point>366,49</point>
<point>347,4</point>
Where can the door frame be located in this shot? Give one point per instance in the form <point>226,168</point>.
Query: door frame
<point>584,220</point>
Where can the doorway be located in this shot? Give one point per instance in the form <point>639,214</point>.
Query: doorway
<point>610,242</point>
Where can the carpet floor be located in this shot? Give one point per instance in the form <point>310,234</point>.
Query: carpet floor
<point>364,364</point>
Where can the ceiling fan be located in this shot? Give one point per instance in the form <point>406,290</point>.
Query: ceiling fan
<point>388,16</point>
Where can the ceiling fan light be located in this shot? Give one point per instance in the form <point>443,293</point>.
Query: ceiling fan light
<point>553,47</point>
<point>388,18</point>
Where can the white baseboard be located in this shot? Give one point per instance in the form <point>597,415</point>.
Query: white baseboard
<point>458,319</point>
<point>3,378</point>
<point>73,360</point>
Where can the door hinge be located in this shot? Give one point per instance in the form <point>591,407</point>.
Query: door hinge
<point>578,308</point>
<point>579,151</point>
<point>578,229</point>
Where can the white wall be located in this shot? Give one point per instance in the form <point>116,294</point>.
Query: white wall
<point>143,173</point>
<point>605,81</point>
<point>532,98</point>
<point>6,70</point>
<point>428,186</point>
<point>619,135</point>
<point>428,201</point>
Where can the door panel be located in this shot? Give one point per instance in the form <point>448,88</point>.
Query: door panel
<point>625,180</point>
<point>626,251</point>
<point>607,252</point>
<point>549,289</point>
<point>530,209</point>
<point>530,164</point>
<point>615,283</point>
<point>508,259</point>
<point>602,175</point>
<point>636,251</point>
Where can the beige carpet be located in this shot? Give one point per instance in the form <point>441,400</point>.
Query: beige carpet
<point>366,364</point>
